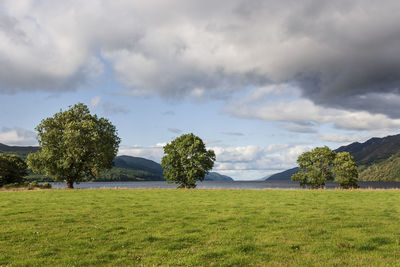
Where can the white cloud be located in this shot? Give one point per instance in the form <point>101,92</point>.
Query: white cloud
<point>95,101</point>
<point>237,154</point>
<point>239,162</point>
<point>160,144</point>
<point>347,138</point>
<point>277,147</point>
<point>302,115</point>
<point>248,162</point>
<point>341,138</point>
<point>18,137</point>
<point>154,153</point>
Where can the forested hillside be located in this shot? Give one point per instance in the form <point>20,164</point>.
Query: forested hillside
<point>387,170</point>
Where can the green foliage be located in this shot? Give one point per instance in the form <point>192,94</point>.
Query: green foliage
<point>15,185</point>
<point>27,185</point>
<point>345,170</point>
<point>46,185</point>
<point>387,170</point>
<point>12,169</point>
<point>315,167</point>
<point>322,164</point>
<point>159,227</point>
<point>75,145</point>
<point>186,161</point>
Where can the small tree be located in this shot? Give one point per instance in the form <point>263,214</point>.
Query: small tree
<point>75,145</point>
<point>345,170</point>
<point>12,169</point>
<point>315,167</point>
<point>186,160</point>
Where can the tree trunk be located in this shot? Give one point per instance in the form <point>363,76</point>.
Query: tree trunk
<point>70,185</point>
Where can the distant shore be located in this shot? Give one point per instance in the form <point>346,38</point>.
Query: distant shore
<point>224,185</point>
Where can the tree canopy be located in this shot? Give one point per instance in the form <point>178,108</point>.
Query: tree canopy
<point>12,169</point>
<point>315,167</point>
<point>186,161</point>
<point>75,145</point>
<point>345,170</point>
<point>321,164</point>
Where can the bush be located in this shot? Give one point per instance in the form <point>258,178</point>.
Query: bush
<point>33,185</point>
<point>29,186</point>
<point>46,185</point>
<point>12,169</point>
<point>12,185</point>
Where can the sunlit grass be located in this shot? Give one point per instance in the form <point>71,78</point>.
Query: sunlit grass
<point>200,227</point>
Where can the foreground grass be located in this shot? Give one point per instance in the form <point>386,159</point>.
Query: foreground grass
<point>199,227</point>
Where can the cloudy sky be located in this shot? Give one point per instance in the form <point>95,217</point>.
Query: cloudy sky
<point>259,81</point>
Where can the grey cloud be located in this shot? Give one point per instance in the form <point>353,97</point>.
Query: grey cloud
<point>233,133</point>
<point>110,109</point>
<point>356,59</point>
<point>168,113</point>
<point>306,127</point>
<point>9,26</point>
<point>174,130</point>
<point>341,54</point>
<point>300,115</point>
<point>340,138</point>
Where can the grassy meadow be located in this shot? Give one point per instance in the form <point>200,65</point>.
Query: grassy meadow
<point>199,227</point>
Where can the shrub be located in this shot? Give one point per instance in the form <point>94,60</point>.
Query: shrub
<point>46,185</point>
<point>12,169</point>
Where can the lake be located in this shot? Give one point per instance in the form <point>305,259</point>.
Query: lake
<point>222,185</point>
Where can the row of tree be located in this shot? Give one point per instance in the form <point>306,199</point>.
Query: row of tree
<point>76,145</point>
<point>320,165</point>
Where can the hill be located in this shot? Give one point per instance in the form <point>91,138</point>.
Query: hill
<point>387,170</point>
<point>215,176</point>
<point>374,150</point>
<point>21,151</point>
<point>283,176</point>
<point>126,168</point>
<point>372,155</point>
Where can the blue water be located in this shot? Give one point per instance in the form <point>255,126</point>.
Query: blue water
<point>222,184</point>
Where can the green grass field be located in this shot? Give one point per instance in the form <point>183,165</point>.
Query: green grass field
<point>199,227</point>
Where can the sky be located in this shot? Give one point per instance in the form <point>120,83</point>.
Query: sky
<point>259,81</point>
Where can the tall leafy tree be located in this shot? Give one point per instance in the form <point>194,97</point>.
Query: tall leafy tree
<point>315,167</point>
<point>75,145</point>
<point>12,169</point>
<point>186,161</point>
<point>345,170</point>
